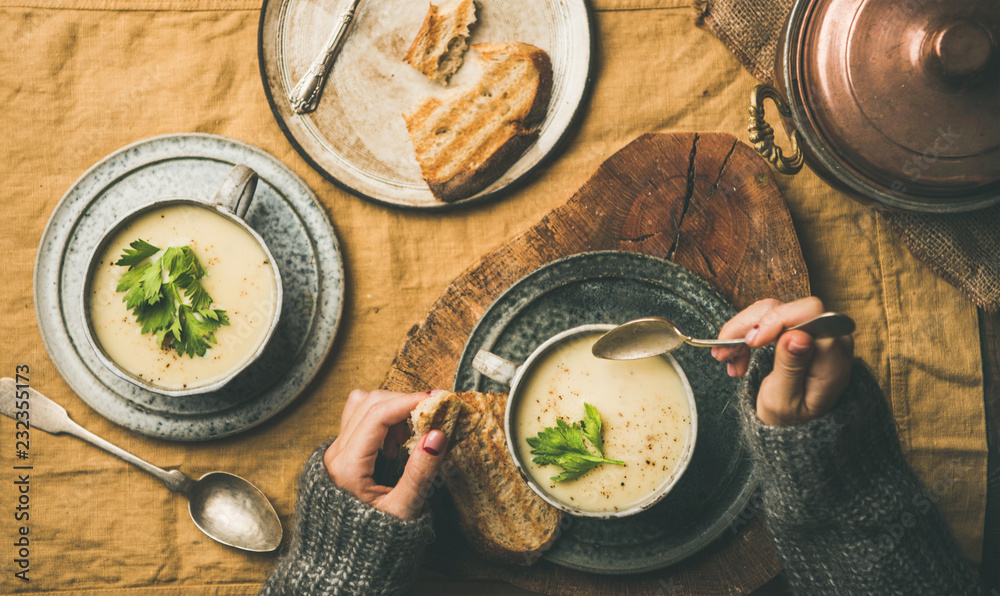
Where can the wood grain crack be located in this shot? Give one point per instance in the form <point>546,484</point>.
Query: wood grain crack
<point>642,238</point>
<point>722,169</point>
<point>708,262</point>
<point>687,199</point>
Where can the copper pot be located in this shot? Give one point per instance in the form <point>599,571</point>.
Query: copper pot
<point>896,102</point>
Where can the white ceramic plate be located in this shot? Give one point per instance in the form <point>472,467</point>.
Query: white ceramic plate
<point>357,137</point>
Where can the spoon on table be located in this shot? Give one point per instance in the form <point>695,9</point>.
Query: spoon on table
<point>225,507</point>
<point>652,336</point>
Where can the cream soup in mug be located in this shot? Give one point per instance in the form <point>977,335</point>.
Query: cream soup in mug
<point>239,277</point>
<point>644,409</point>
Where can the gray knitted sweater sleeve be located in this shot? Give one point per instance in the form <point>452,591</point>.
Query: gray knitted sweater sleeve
<point>846,513</point>
<point>343,546</point>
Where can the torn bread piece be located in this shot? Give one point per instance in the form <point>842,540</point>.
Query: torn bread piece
<point>468,137</point>
<point>440,45</point>
<point>498,513</point>
<point>439,412</point>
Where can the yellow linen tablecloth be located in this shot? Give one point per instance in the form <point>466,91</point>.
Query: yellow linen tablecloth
<point>82,78</point>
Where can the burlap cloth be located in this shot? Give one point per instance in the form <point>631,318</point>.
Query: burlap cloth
<point>83,78</point>
<point>963,248</point>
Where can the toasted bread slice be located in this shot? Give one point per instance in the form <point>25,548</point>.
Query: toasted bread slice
<point>498,513</point>
<point>471,135</point>
<point>439,47</point>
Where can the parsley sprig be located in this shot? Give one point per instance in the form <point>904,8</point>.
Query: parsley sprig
<point>153,292</point>
<point>564,445</point>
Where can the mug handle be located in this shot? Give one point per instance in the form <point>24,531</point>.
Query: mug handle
<point>490,365</point>
<point>236,191</point>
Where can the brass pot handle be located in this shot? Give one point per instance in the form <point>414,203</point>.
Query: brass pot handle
<point>762,135</point>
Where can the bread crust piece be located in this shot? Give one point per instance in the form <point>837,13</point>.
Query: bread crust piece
<point>469,182</point>
<point>498,513</point>
<point>463,159</point>
<point>440,412</point>
<point>439,47</point>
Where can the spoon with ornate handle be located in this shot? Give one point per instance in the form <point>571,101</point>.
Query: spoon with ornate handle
<point>304,96</point>
<point>651,336</point>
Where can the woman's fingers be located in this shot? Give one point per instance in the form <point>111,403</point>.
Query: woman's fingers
<point>809,374</point>
<point>407,498</point>
<point>397,435</point>
<point>354,400</point>
<point>738,361</point>
<point>808,378</point>
<point>371,430</point>
<point>355,456</point>
<point>363,402</point>
<point>782,392</point>
<point>400,433</point>
<point>829,374</point>
<point>773,322</point>
<point>760,324</point>
<point>357,406</point>
<point>737,328</point>
<point>376,419</point>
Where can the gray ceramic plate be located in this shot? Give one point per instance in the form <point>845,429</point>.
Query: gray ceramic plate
<point>614,287</point>
<point>286,214</point>
<point>357,137</point>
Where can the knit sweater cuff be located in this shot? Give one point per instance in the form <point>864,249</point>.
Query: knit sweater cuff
<point>344,546</point>
<point>815,472</point>
<point>846,513</point>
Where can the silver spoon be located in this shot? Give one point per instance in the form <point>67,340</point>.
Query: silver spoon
<point>651,336</point>
<point>225,507</point>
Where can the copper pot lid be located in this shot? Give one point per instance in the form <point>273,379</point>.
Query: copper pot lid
<point>905,94</point>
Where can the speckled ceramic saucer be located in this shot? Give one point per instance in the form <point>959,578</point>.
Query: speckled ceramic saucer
<point>614,287</point>
<point>285,212</point>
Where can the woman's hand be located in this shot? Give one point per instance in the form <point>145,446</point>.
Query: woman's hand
<point>809,374</point>
<point>369,420</point>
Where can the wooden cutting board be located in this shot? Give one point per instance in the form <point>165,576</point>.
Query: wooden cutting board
<point>704,201</point>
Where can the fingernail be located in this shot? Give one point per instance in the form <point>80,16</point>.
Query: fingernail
<point>434,442</point>
<point>731,369</point>
<point>436,392</point>
<point>798,348</point>
<point>752,333</point>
